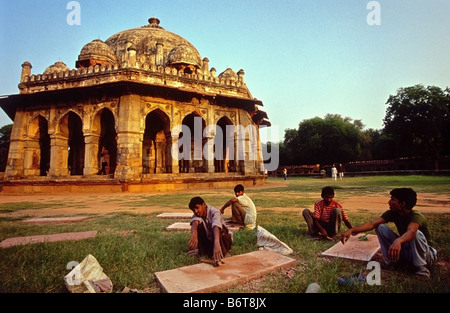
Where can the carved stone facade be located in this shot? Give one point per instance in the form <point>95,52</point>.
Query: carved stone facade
<point>131,103</point>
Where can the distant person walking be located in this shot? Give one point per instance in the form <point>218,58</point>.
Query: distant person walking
<point>341,172</point>
<point>334,172</point>
<point>285,173</point>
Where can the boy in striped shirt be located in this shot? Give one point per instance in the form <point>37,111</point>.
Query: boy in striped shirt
<point>328,214</point>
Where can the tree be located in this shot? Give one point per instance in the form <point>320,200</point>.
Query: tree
<point>289,147</point>
<point>416,122</point>
<point>332,139</point>
<point>5,135</point>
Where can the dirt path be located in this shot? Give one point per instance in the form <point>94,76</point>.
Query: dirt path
<point>78,204</point>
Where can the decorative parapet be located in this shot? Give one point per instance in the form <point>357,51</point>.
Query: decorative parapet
<point>145,73</point>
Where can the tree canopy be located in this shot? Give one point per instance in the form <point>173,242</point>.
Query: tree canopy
<point>417,122</point>
<point>331,139</point>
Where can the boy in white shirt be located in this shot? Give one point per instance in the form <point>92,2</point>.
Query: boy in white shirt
<point>243,210</point>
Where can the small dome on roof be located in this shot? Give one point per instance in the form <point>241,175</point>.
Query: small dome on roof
<point>228,74</point>
<point>183,54</point>
<point>96,52</point>
<point>58,67</point>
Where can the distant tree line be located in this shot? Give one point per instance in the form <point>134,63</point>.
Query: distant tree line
<point>417,124</point>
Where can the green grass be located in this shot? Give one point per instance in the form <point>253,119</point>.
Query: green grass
<point>132,260</point>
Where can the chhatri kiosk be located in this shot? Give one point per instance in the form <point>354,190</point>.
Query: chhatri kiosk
<point>141,111</point>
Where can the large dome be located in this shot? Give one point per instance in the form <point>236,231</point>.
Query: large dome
<point>152,40</point>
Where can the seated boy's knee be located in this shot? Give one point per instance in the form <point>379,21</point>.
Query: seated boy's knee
<point>381,229</point>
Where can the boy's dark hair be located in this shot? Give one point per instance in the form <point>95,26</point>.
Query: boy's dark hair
<point>406,195</point>
<point>194,201</point>
<point>327,191</point>
<point>238,188</point>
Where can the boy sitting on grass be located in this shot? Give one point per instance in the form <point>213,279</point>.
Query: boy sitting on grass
<point>243,210</point>
<point>208,231</point>
<point>412,243</point>
<point>326,219</point>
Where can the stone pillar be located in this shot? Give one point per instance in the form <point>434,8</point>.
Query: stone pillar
<point>209,149</point>
<point>159,54</point>
<point>240,75</point>
<point>161,156</point>
<point>129,139</point>
<point>32,153</point>
<point>132,56</point>
<point>91,165</point>
<point>26,71</point>
<point>152,157</point>
<point>245,155</point>
<point>172,161</point>
<point>206,67</point>
<point>15,164</point>
<point>59,155</point>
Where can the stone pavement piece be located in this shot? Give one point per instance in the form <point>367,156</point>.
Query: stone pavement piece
<point>355,249</point>
<point>179,226</point>
<point>183,215</point>
<point>56,219</point>
<point>237,269</point>
<point>10,242</point>
<point>186,226</point>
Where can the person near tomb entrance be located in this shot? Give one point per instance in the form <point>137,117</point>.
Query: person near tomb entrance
<point>326,219</point>
<point>103,164</point>
<point>209,235</point>
<point>243,209</point>
<point>412,244</point>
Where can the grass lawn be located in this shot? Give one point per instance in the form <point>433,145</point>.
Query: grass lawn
<point>131,260</point>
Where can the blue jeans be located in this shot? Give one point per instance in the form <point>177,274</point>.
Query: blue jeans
<point>417,252</point>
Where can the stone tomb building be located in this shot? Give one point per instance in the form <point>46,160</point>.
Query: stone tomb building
<point>144,102</point>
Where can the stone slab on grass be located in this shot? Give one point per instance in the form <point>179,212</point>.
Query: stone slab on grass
<point>183,215</point>
<point>237,269</point>
<point>179,226</point>
<point>186,226</point>
<point>56,219</point>
<point>355,249</point>
<point>10,242</point>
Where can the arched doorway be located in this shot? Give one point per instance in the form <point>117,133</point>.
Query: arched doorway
<point>224,144</point>
<point>155,150</point>
<point>71,128</point>
<point>107,143</point>
<point>193,161</point>
<point>37,149</point>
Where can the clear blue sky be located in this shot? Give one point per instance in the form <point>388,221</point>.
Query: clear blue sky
<point>302,58</point>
